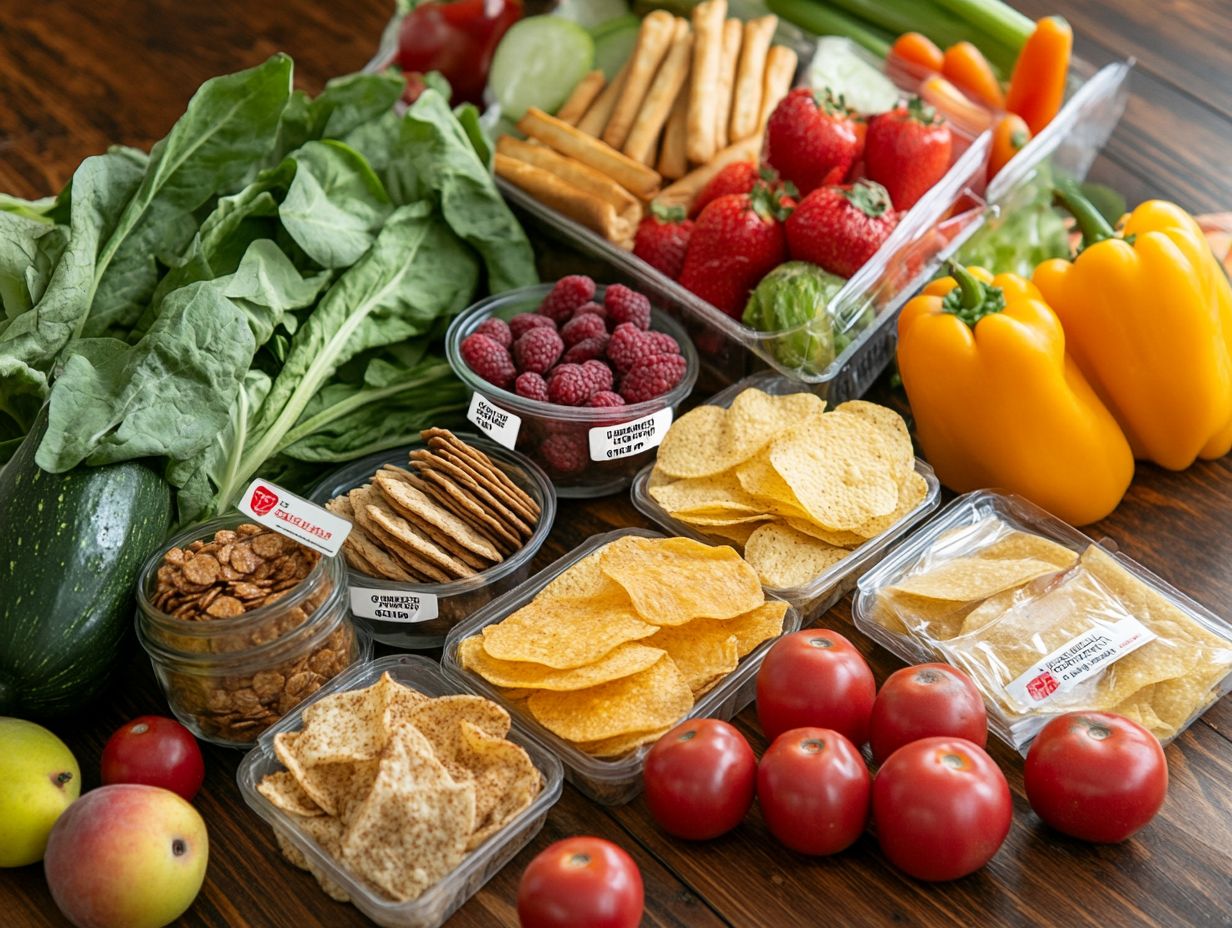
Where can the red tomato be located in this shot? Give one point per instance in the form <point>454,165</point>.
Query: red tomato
<point>815,678</point>
<point>925,701</point>
<point>1096,776</point>
<point>581,881</point>
<point>814,789</point>
<point>941,807</point>
<point>699,779</point>
<point>154,751</point>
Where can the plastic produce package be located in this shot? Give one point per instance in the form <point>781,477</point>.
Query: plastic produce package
<point>1045,621</point>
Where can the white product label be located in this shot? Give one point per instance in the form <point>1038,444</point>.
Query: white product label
<point>393,606</point>
<point>499,425</point>
<point>293,516</point>
<point>608,442</point>
<point>1092,652</point>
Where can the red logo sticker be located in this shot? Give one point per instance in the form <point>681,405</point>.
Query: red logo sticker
<point>263,500</point>
<point>1042,686</point>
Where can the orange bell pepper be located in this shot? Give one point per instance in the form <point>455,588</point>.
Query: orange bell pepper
<point>1148,318</point>
<point>997,401</point>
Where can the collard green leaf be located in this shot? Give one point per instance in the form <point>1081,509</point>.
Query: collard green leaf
<point>29,251</point>
<point>229,125</point>
<point>266,287</point>
<point>335,205</point>
<point>345,105</point>
<point>170,394</point>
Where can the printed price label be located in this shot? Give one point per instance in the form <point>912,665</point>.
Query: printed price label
<point>609,442</point>
<point>1078,659</point>
<point>270,505</point>
<point>393,606</point>
<point>499,425</point>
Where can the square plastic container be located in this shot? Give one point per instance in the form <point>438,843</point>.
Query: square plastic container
<point>434,608</point>
<point>1017,513</point>
<point>814,598</point>
<point>587,451</point>
<point>449,893</point>
<point>613,781</point>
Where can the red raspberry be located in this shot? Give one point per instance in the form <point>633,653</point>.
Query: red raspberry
<point>587,349</point>
<point>564,453</point>
<point>652,377</point>
<point>625,305</point>
<point>605,398</point>
<point>569,386</point>
<point>662,343</point>
<point>489,359</point>
<point>590,309</point>
<point>538,350</point>
<point>579,328</point>
<point>568,294</point>
<point>497,330</point>
<point>628,346</point>
<point>520,325</point>
<point>598,374</point>
<point>532,386</point>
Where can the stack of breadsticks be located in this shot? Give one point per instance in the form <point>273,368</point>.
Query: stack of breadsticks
<point>692,98</point>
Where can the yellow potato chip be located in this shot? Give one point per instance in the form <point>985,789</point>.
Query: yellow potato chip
<point>910,494</point>
<point>693,445</point>
<point>703,651</point>
<point>582,580</point>
<point>761,480</point>
<point>785,558</point>
<point>622,661</point>
<point>844,539</point>
<point>967,579</point>
<point>564,633</point>
<point>721,491</point>
<point>715,517</point>
<point>890,426</point>
<point>758,625</point>
<point>674,580</point>
<point>656,697</point>
<point>1017,545</point>
<point>284,792</point>
<point>413,825</point>
<point>623,744</point>
<point>737,533</point>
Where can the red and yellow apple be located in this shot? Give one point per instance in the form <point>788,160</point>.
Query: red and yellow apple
<point>126,856</point>
<point>38,779</point>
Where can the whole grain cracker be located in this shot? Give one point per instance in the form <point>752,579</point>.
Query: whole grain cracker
<point>433,462</point>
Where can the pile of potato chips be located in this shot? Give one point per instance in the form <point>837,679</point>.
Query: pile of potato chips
<point>798,487</point>
<point>614,651</point>
<point>995,600</point>
<point>397,787</point>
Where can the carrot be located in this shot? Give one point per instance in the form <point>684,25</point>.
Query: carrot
<point>917,49</point>
<point>1009,135</point>
<point>1037,87</point>
<point>966,66</point>
<point>951,103</point>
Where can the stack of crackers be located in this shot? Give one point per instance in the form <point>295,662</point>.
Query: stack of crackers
<point>692,98</point>
<point>450,515</point>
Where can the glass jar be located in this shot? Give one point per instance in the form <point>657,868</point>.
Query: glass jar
<point>228,679</point>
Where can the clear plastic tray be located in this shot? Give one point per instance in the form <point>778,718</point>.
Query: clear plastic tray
<point>615,781</point>
<point>452,601</point>
<point>446,896</point>
<point>815,598</point>
<point>1017,513</point>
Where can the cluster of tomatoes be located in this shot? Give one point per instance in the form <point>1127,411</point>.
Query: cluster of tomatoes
<point>939,805</point>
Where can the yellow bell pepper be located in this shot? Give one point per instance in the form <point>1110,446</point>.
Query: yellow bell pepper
<point>997,401</point>
<point>1148,318</point>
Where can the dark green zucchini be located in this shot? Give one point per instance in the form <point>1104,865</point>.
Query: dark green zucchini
<point>71,546</point>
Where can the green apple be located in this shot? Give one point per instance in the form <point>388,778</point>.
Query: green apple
<point>126,856</point>
<point>40,778</point>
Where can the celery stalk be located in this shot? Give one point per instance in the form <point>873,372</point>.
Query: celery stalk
<point>820,19</point>
<point>995,19</point>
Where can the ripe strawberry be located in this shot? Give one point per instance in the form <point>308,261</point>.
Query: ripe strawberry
<point>840,228</point>
<point>907,151</point>
<point>813,140</point>
<point>738,240</point>
<point>738,177</point>
<point>662,238</point>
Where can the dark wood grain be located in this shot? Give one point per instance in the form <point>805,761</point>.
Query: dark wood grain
<point>77,76</point>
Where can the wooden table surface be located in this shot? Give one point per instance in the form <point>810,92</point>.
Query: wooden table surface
<point>77,76</point>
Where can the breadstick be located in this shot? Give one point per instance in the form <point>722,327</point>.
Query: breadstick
<point>556,194</point>
<point>733,32</point>
<point>662,94</point>
<point>595,120</point>
<point>708,20</point>
<point>673,160</point>
<point>685,190</point>
<point>573,172</point>
<point>746,102</point>
<point>653,40</point>
<point>569,140</point>
<point>582,97</point>
<point>780,71</point>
